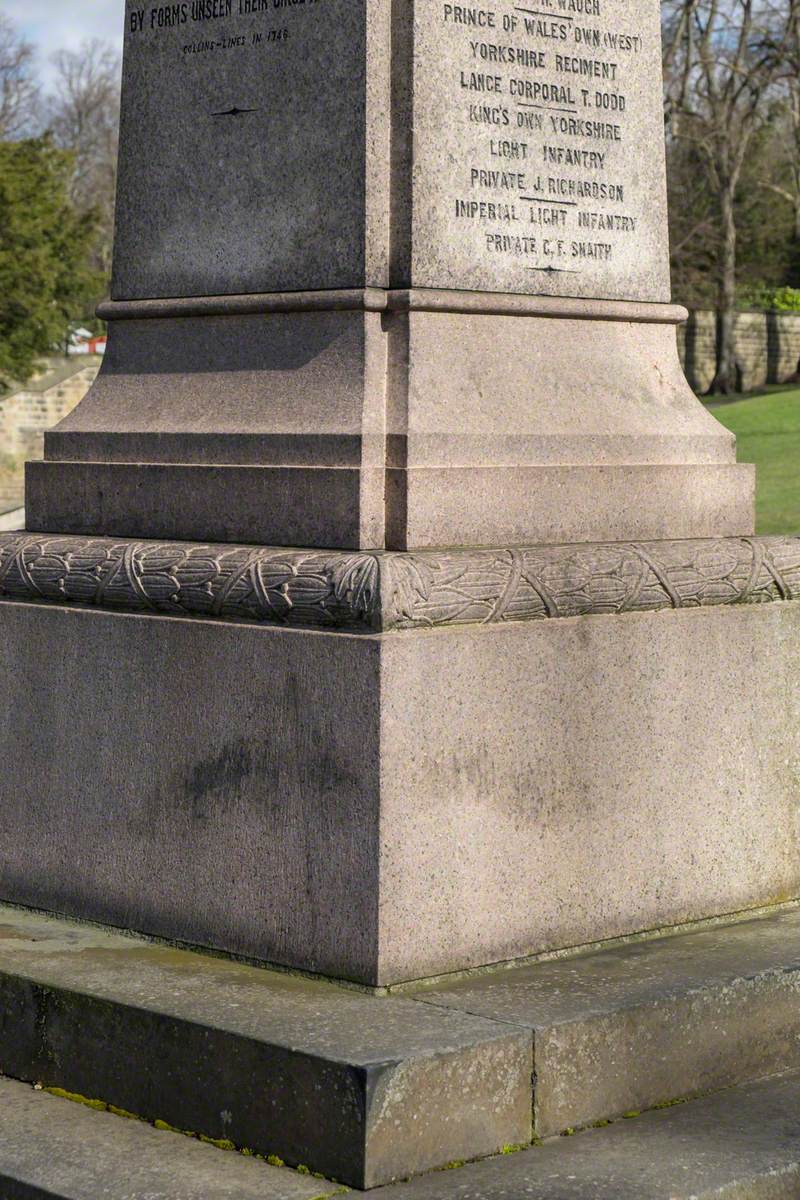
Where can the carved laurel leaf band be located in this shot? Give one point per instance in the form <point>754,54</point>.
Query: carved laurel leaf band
<point>378,592</point>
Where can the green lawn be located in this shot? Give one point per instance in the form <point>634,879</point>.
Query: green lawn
<point>767,426</point>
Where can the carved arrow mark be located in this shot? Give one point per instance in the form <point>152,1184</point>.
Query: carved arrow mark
<point>555,270</point>
<point>235,112</point>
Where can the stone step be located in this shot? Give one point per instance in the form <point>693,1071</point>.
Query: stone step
<point>640,1024</point>
<point>364,1089</point>
<point>741,1144</point>
<point>51,1148</point>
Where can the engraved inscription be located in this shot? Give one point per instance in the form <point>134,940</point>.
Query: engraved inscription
<point>243,149</point>
<point>553,112</point>
<point>172,16</point>
<point>201,12</point>
<point>554,107</point>
<point>535,159</point>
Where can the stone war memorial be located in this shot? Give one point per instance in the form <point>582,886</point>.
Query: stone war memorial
<point>400,745</point>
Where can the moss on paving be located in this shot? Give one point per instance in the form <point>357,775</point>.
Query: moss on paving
<point>164,1127</point>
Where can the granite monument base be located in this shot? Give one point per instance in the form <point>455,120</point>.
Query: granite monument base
<point>391,419</point>
<point>385,807</point>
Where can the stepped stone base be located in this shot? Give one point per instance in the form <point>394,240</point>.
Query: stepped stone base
<point>396,419</point>
<point>743,1144</point>
<point>321,506</point>
<point>374,1089</point>
<point>51,1149</point>
<point>365,1089</point>
<point>392,807</point>
<point>635,1025</point>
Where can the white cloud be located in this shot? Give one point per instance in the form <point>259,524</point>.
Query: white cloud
<point>63,24</point>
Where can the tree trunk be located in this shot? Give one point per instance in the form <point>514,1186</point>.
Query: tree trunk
<point>725,380</point>
<point>795,165</point>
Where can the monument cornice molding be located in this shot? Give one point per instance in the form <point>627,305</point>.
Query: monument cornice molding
<point>341,590</point>
<point>403,300</point>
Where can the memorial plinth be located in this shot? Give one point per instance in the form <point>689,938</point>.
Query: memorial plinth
<point>391,276</point>
<point>390,311</point>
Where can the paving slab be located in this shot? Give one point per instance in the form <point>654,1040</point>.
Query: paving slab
<point>637,1024</point>
<point>51,1148</point>
<point>362,1088</point>
<point>742,1144</point>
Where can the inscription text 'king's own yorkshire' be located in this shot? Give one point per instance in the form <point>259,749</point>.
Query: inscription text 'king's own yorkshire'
<point>521,151</point>
<point>391,274</point>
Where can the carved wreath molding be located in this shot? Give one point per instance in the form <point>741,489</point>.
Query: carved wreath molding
<point>378,592</point>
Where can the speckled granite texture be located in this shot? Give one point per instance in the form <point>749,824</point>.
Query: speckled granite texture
<point>386,807</point>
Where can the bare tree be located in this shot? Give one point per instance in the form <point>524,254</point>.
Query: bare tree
<point>19,92</point>
<point>786,181</point>
<point>83,113</point>
<point>788,188</point>
<point>722,60</point>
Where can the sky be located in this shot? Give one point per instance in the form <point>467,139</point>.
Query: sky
<point>63,24</point>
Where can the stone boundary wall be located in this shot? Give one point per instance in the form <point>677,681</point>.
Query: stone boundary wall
<point>767,348</point>
<point>28,412</point>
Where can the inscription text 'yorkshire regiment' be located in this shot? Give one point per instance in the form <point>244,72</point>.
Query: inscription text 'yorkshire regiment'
<point>537,163</point>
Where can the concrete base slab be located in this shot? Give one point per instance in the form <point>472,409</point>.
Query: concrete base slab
<point>394,807</point>
<point>644,1023</point>
<point>364,1089</point>
<point>743,1144</point>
